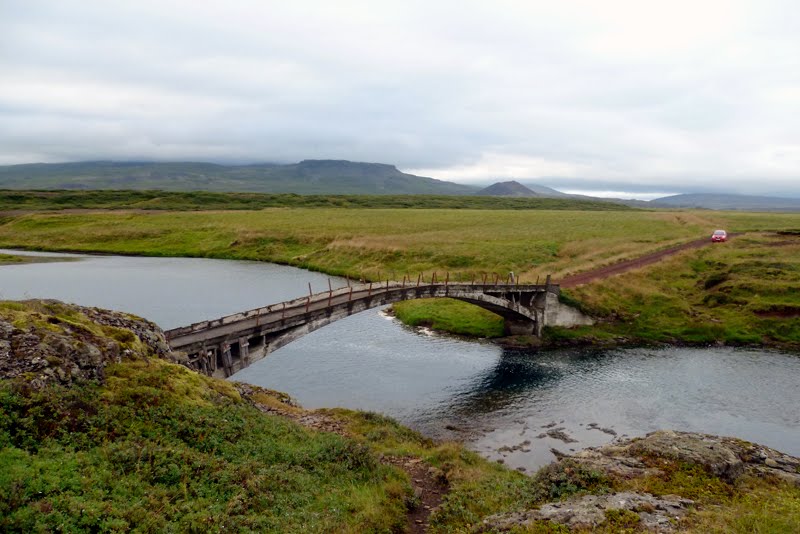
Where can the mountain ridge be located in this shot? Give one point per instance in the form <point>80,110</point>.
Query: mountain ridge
<point>727,201</point>
<point>305,177</point>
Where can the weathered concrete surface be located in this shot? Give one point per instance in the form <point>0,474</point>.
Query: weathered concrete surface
<point>557,313</point>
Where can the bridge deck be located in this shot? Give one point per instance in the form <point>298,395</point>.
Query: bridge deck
<point>283,311</point>
<point>221,347</point>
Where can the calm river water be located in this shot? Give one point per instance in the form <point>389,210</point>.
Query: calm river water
<point>501,402</point>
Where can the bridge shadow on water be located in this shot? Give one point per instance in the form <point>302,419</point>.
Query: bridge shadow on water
<point>519,377</point>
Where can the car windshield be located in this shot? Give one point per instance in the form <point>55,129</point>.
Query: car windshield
<point>719,232</point>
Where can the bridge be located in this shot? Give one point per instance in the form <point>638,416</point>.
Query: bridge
<point>223,346</point>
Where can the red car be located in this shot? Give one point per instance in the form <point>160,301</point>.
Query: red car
<point>719,236</point>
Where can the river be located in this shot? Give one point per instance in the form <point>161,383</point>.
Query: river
<point>505,404</point>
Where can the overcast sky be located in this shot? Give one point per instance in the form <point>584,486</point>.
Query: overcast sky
<point>626,96</point>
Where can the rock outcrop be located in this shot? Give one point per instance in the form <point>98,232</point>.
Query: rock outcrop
<point>656,514</point>
<point>726,458</point>
<point>45,342</point>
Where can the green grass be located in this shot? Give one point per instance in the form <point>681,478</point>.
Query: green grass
<point>383,242</point>
<point>747,505</point>
<point>450,315</point>
<point>205,200</point>
<point>742,292</point>
<point>477,488</point>
<point>139,454</point>
<point>156,447</point>
<point>746,291</point>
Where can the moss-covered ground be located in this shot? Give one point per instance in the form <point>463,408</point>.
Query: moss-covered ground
<point>155,447</point>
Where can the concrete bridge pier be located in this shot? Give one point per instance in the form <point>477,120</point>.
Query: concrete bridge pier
<point>521,327</point>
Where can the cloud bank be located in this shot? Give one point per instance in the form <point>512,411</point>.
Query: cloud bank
<point>621,95</point>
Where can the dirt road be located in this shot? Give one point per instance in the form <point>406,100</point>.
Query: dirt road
<point>621,267</point>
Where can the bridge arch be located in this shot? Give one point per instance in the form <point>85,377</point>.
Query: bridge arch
<point>224,346</point>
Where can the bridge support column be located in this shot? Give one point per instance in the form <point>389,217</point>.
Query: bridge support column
<point>244,353</point>
<point>227,360</point>
<point>520,327</point>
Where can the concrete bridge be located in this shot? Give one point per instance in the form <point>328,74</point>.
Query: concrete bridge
<point>221,347</point>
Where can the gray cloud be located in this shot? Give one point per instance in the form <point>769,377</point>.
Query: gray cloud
<point>620,95</point>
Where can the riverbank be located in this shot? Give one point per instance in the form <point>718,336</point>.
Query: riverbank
<point>18,259</point>
<point>725,294</point>
<point>743,293</point>
<point>103,429</point>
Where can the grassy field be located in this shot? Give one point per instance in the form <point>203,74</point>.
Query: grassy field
<point>156,447</point>
<point>746,291</point>
<point>385,242</point>
<point>753,300</point>
<point>206,200</point>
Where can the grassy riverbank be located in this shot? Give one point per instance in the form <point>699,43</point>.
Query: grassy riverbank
<point>717,294</point>
<point>746,291</point>
<point>6,259</point>
<point>150,445</point>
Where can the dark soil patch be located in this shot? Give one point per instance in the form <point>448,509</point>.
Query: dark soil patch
<point>429,489</point>
<point>780,312</point>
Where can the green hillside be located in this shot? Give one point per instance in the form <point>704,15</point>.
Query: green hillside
<point>306,177</point>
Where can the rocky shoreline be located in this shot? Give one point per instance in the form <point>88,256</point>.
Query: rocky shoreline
<point>729,459</point>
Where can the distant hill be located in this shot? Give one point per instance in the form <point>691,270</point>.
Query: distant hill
<point>728,202</point>
<point>508,189</point>
<point>549,192</point>
<point>307,177</point>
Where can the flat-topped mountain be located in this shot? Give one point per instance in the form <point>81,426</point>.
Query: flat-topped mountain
<point>306,177</point>
<point>508,189</point>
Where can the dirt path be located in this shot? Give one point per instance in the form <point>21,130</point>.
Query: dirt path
<point>429,488</point>
<point>623,266</point>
